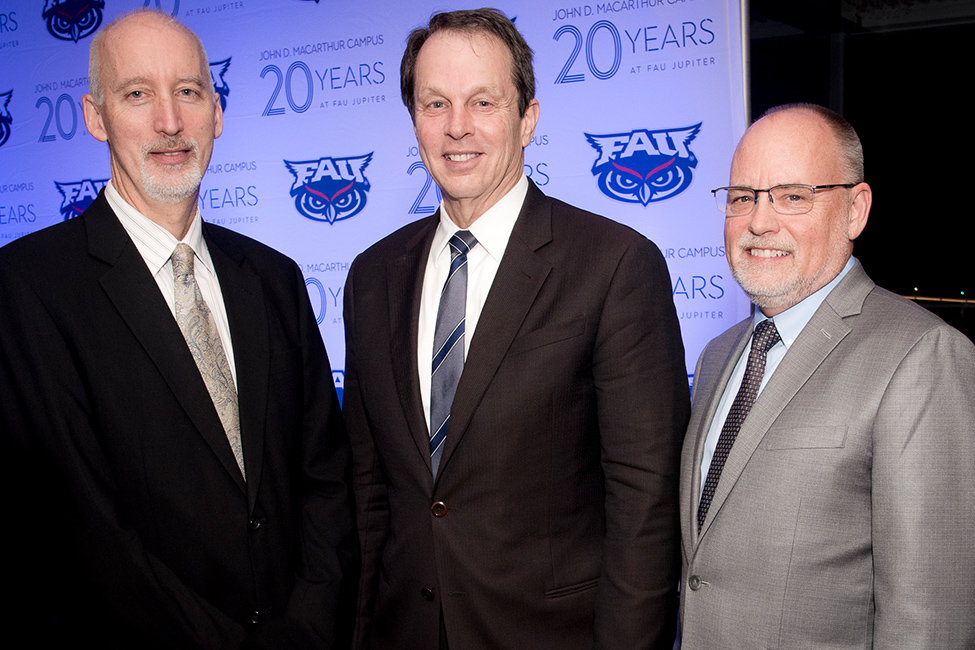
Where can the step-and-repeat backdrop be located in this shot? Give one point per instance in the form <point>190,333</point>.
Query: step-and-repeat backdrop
<point>642,103</point>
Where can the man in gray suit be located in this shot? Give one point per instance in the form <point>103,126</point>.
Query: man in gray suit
<point>835,509</point>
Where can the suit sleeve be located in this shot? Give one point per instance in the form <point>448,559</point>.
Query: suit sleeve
<point>372,501</point>
<point>320,610</point>
<point>643,407</point>
<point>67,514</point>
<point>923,509</point>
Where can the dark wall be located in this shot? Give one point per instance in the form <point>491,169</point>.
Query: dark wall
<point>906,88</point>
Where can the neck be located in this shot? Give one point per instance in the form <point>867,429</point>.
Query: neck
<point>464,212</point>
<point>174,217</point>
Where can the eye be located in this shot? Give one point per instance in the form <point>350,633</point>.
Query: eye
<point>740,197</point>
<point>136,94</point>
<point>793,194</point>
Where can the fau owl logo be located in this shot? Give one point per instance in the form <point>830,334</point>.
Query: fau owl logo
<point>330,189</point>
<point>217,70</point>
<point>78,196</point>
<point>644,166</point>
<point>6,119</point>
<point>71,20</point>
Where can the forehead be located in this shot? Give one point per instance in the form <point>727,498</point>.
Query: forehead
<point>145,45</point>
<point>469,58</point>
<point>789,147</point>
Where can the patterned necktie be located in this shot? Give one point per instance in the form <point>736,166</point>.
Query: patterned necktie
<point>448,344</point>
<point>200,331</point>
<point>765,337</point>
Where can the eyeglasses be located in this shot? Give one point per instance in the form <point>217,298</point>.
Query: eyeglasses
<point>785,199</point>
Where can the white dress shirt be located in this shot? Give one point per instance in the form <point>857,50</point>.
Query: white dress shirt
<point>492,231</point>
<point>789,324</point>
<point>156,245</point>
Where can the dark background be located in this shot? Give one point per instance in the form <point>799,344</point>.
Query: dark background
<point>901,72</point>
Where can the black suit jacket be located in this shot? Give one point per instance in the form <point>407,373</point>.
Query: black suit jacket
<point>139,529</point>
<point>553,521</point>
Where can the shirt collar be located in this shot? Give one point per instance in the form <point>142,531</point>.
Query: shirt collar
<point>155,243</point>
<point>792,321</point>
<point>492,229</point>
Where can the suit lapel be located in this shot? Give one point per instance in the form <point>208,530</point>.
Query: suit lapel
<point>243,298</point>
<point>702,414</point>
<point>818,338</point>
<point>519,278</point>
<point>135,294</point>
<point>404,283</point>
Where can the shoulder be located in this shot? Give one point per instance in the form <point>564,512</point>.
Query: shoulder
<point>246,250</point>
<point>45,245</point>
<point>581,237</point>
<point>897,324</point>
<point>53,260</point>
<point>571,220</point>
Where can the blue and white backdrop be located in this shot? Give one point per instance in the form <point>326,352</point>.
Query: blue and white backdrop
<point>642,103</point>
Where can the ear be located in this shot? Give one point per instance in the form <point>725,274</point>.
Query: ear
<point>528,122</point>
<point>217,117</point>
<point>93,118</point>
<point>859,209</point>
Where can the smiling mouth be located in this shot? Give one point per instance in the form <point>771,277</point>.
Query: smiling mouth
<point>767,252</point>
<point>460,157</point>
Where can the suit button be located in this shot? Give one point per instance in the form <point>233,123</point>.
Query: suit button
<point>255,524</point>
<point>427,593</point>
<point>439,509</point>
<point>694,582</point>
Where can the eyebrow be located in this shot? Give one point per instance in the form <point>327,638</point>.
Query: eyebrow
<point>135,81</point>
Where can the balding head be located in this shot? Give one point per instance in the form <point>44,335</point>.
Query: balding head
<point>779,259</point>
<point>97,52</point>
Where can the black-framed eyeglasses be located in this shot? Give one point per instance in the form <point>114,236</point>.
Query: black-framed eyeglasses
<point>785,199</point>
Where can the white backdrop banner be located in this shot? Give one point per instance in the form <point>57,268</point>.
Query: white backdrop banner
<point>642,103</point>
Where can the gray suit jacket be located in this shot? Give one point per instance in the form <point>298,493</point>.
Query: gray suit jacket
<point>845,515</point>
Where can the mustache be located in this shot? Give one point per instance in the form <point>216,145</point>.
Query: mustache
<point>172,143</point>
<point>747,240</point>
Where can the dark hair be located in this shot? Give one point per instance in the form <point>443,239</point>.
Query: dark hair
<point>850,148</point>
<point>472,21</point>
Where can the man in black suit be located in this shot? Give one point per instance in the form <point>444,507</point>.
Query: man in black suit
<point>541,512</point>
<point>170,423</point>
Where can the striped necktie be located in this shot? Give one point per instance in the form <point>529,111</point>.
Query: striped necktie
<point>448,344</point>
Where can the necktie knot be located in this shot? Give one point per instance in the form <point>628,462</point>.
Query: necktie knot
<point>766,336</point>
<point>461,243</point>
<point>182,260</point>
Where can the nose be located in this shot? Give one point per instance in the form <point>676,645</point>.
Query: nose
<point>764,218</point>
<point>168,116</point>
<point>459,123</point>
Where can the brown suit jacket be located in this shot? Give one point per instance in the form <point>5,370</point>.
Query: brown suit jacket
<point>558,482</point>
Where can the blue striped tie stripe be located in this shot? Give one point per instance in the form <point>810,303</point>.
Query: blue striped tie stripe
<point>448,344</point>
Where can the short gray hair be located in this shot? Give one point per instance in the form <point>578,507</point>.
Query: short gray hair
<point>95,52</point>
<point>850,149</point>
